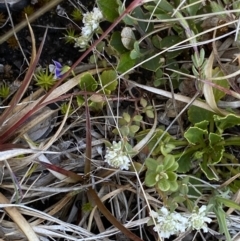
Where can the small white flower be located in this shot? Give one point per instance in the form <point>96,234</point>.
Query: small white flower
<point>198,219</point>
<point>81,42</point>
<point>92,19</point>
<point>116,158</point>
<point>169,223</point>
<point>86,30</point>
<point>97,14</point>
<point>91,23</point>
<point>153,214</point>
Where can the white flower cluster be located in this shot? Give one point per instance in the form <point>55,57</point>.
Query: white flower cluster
<point>91,23</point>
<point>116,157</point>
<point>174,223</point>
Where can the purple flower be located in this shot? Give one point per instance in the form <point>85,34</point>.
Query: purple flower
<point>56,69</point>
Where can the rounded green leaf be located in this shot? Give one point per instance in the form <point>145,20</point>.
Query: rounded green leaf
<point>173,186</point>
<point>125,63</point>
<point>80,100</point>
<point>126,117</point>
<point>108,79</point>
<point>88,83</point>
<point>150,113</point>
<point>163,185</point>
<point>168,161</point>
<point>150,179</point>
<point>172,176</point>
<point>134,128</point>
<point>173,168</point>
<point>137,118</point>
<point>124,130</point>
<point>109,9</point>
<point>151,164</point>
<point>116,43</point>
<point>143,102</point>
<point>195,135</point>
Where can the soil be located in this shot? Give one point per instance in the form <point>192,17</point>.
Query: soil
<point>55,47</point>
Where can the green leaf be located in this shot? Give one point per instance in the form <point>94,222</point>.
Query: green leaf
<point>159,133</point>
<point>164,5</point>
<point>109,9</point>
<point>151,164</point>
<point>163,185</point>
<point>136,52</point>
<point>206,168</point>
<point>80,100</point>
<point>87,82</point>
<point>137,118</point>
<point>125,63</point>
<point>218,94</point>
<point>150,113</point>
<point>134,128</point>
<point>222,123</point>
<point>116,43</point>
<point>150,178</point>
<point>145,26</point>
<point>168,42</point>
<point>173,186</point>
<point>214,139</point>
<point>228,203</point>
<point>173,168</point>
<point>196,114</point>
<point>124,130</point>
<point>216,7</point>
<point>168,162</point>
<point>193,8</point>
<point>143,102</point>
<point>166,148</point>
<point>126,117</point>
<point>221,217</point>
<point>172,176</point>
<point>203,125</point>
<point>108,78</point>
<point>216,154</point>
<point>195,135</point>
<point>153,64</point>
<point>184,162</point>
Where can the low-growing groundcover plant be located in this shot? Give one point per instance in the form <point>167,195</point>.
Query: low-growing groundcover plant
<point>113,151</point>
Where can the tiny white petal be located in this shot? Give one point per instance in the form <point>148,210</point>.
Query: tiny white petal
<point>202,209</point>
<point>153,214</point>
<point>51,68</point>
<point>164,211</point>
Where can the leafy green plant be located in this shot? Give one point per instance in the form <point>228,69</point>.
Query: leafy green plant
<point>105,84</point>
<point>76,15</point>
<point>147,109</point>
<point>4,90</point>
<point>64,108</point>
<point>128,126</point>
<point>44,79</point>
<point>70,36</point>
<point>161,173</point>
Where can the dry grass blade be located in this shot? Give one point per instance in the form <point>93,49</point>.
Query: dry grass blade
<point>178,97</point>
<point>19,220</point>
<point>4,155</point>
<point>208,90</point>
<point>17,121</point>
